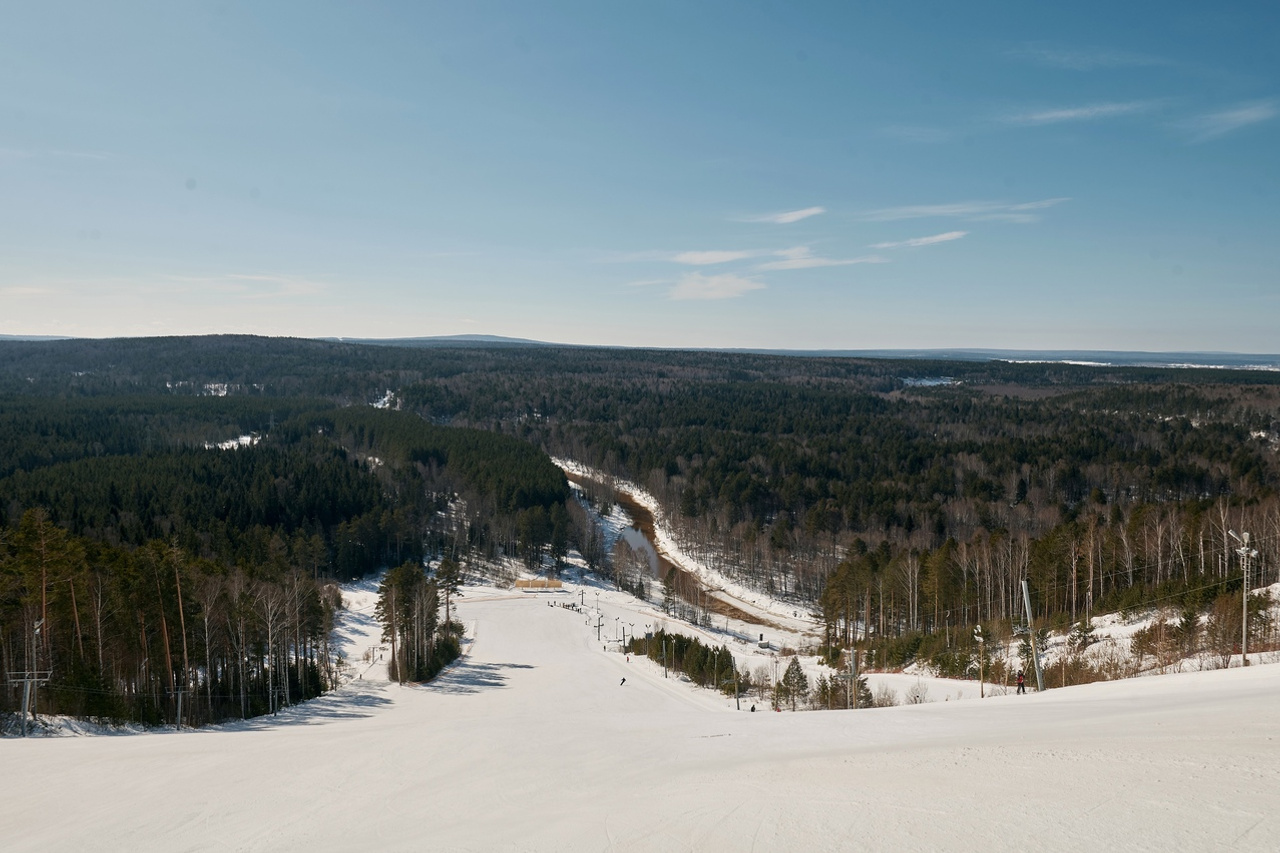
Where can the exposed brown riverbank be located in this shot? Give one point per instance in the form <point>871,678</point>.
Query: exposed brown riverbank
<point>686,582</point>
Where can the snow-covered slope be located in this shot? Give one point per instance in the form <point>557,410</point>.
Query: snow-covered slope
<point>531,742</point>
<point>790,618</point>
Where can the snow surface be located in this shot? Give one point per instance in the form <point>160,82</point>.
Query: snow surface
<point>246,440</point>
<point>530,742</point>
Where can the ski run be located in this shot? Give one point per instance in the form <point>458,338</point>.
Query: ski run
<point>530,742</point>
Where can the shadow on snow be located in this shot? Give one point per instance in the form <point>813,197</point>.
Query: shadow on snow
<point>467,677</point>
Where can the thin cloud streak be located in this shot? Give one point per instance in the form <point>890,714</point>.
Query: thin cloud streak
<point>801,258</point>
<point>921,241</point>
<point>788,217</point>
<point>970,210</point>
<point>1086,60</point>
<point>1214,125</point>
<point>697,286</point>
<point>1088,112</point>
<point>705,258</point>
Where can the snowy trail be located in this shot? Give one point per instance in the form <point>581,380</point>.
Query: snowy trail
<point>530,743</point>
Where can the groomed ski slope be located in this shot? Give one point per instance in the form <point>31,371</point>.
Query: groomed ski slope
<point>531,743</point>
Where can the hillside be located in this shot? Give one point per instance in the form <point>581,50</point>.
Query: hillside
<point>531,743</point>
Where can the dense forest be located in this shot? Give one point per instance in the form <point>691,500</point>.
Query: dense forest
<point>902,499</point>
<point>162,567</point>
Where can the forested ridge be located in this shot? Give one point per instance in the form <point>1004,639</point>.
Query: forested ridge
<point>902,498</point>
<point>163,567</point>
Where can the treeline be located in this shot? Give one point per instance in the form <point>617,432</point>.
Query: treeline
<point>487,494</point>
<point>905,604</point>
<point>707,666</point>
<point>713,667</point>
<point>160,578</point>
<point>154,634</point>
<point>223,505</point>
<point>1102,485</point>
<point>40,431</point>
<point>437,376</point>
<point>514,473</point>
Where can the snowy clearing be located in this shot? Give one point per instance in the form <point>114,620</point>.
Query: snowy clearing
<point>530,742</point>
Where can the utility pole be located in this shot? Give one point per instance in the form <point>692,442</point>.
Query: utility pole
<point>1035,653</point>
<point>851,689</point>
<point>737,697</point>
<point>1246,553</point>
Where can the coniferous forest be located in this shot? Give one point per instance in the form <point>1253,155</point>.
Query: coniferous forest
<point>177,510</point>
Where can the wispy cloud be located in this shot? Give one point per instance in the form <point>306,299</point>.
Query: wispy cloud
<point>916,133</point>
<point>1213,125</point>
<point>1085,60</point>
<point>789,216</point>
<point>802,258</point>
<point>696,285</point>
<point>699,259</point>
<point>921,241</point>
<point>999,211</point>
<point>1088,112</point>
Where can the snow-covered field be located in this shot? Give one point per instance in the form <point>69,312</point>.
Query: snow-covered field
<point>530,742</point>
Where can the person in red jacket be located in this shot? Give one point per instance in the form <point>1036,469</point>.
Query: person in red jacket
<point>1022,683</point>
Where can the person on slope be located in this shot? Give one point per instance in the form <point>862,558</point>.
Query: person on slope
<point>1022,683</point>
<point>622,682</point>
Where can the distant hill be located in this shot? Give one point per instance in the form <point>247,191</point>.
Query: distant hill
<point>1094,358</point>
<point>1099,358</point>
<point>35,338</point>
<point>447,341</point>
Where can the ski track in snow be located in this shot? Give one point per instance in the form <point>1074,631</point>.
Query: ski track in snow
<point>529,743</point>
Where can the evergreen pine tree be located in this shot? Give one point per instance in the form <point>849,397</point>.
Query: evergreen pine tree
<point>795,682</point>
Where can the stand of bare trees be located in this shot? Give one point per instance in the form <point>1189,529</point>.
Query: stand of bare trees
<point>138,635</point>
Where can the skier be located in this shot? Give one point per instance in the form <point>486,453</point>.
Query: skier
<point>1022,683</point>
<point>753,709</point>
<point>622,682</point>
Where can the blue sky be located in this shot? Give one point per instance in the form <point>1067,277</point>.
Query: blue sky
<point>835,175</point>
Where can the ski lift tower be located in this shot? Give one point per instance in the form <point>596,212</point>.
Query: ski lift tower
<point>1246,554</point>
<point>1031,633</point>
<point>32,678</point>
